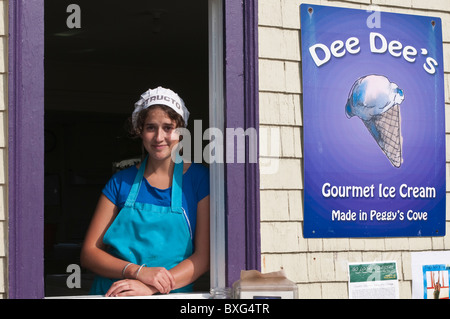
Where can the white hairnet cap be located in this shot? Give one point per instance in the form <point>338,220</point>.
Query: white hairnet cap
<point>160,96</point>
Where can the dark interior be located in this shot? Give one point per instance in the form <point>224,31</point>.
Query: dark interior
<point>93,77</point>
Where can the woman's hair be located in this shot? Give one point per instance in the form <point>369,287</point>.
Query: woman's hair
<point>136,130</point>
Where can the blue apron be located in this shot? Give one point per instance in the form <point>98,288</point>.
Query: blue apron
<point>157,236</point>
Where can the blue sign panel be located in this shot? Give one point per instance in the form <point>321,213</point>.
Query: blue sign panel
<point>373,120</point>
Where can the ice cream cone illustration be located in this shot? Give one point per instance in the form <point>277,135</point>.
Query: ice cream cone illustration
<point>376,101</point>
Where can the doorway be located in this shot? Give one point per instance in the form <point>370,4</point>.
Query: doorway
<point>94,74</point>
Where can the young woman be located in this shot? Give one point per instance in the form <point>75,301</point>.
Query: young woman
<point>150,230</point>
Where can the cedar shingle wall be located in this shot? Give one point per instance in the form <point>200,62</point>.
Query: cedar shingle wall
<point>318,266</point>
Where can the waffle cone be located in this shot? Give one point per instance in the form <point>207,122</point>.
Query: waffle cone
<point>385,129</point>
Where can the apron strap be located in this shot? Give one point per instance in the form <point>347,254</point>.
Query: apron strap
<point>177,185</point>
<point>133,194</point>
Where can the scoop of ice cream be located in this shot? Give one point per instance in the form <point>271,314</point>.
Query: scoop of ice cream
<point>372,95</point>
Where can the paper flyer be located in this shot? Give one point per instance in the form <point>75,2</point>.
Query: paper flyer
<point>430,274</point>
<point>374,280</point>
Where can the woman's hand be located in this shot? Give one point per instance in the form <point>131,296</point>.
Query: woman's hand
<point>157,277</point>
<point>129,287</point>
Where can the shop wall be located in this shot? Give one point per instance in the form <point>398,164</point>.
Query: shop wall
<point>3,145</point>
<point>318,266</point>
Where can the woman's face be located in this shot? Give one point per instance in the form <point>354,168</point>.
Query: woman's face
<point>159,134</point>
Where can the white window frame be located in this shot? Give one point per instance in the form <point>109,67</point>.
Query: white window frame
<point>216,120</point>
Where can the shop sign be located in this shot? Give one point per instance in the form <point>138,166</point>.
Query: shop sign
<point>373,121</point>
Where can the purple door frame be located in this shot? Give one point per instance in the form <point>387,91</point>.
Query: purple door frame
<point>241,111</point>
<point>26,143</point>
<point>26,149</point>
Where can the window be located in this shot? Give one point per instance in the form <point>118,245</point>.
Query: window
<point>94,73</point>
<point>232,87</point>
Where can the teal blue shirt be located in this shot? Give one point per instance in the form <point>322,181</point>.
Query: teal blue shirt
<point>195,188</point>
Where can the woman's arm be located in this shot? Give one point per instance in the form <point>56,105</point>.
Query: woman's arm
<point>198,263</point>
<point>93,254</point>
<point>94,257</point>
<point>181,275</point>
